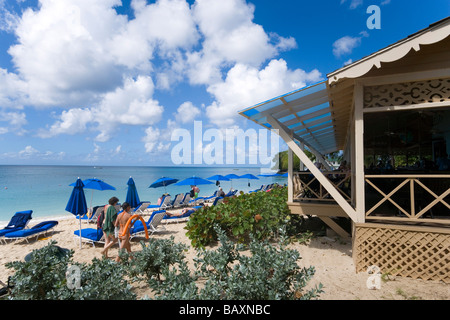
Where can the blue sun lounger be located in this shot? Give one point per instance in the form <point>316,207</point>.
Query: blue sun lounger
<point>152,224</point>
<point>18,222</point>
<point>35,231</point>
<point>90,235</point>
<point>177,219</point>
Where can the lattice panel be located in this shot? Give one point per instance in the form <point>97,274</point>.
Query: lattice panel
<point>415,254</point>
<point>408,93</point>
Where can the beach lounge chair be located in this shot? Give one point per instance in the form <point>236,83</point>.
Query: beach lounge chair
<point>231,193</point>
<point>35,231</point>
<point>210,198</point>
<point>177,201</point>
<point>18,222</point>
<point>186,200</point>
<point>217,201</point>
<point>90,235</point>
<point>93,217</point>
<point>140,209</point>
<point>259,189</point>
<point>152,224</point>
<point>168,219</point>
<point>165,203</point>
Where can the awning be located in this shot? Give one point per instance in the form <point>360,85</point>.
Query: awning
<point>305,113</point>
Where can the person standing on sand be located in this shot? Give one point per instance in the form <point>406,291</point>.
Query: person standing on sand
<point>108,225</point>
<point>121,222</point>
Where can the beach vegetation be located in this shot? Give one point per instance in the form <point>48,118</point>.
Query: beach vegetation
<point>259,214</point>
<point>267,272</point>
<point>44,276</point>
<point>258,270</point>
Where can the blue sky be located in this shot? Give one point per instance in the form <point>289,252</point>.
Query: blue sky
<point>107,82</point>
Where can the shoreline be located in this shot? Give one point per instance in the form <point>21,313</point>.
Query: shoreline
<point>330,256</point>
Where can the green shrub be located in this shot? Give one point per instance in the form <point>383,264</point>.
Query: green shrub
<point>40,276</point>
<point>156,254</point>
<point>268,273</point>
<point>44,277</point>
<point>258,214</point>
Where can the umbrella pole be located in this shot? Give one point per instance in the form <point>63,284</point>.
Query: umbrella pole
<point>80,232</point>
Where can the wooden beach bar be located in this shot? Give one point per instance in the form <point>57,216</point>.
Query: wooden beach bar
<point>389,114</point>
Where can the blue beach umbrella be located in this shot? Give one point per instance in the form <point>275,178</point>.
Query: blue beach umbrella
<point>163,182</point>
<point>249,177</point>
<point>217,178</point>
<point>232,176</point>
<point>96,184</point>
<point>193,181</point>
<point>77,201</point>
<point>132,195</point>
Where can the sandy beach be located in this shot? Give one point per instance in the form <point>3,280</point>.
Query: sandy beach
<point>331,256</point>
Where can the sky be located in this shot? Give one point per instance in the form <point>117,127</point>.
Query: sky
<point>110,82</point>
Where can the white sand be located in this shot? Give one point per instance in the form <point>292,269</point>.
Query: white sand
<point>331,258</point>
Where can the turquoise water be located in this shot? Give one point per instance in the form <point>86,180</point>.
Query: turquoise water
<point>46,190</point>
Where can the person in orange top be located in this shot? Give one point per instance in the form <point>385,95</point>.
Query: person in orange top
<point>121,222</point>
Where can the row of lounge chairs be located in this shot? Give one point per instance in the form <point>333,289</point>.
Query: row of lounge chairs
<point>154,224</point>
<point>266,187</point>
<point>17,228</point>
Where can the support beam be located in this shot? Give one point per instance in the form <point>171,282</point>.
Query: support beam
<point>302,165</point>
<point>335,227</point>
<point>359,153</point>
<point>286,136</point>
<point>290,176</point>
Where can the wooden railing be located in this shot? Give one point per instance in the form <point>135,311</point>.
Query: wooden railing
<point>307,187</point>
<point>414,197</point>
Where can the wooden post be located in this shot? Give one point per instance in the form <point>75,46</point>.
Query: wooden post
<point>302,166</point>
<point>359,182</point>
<point>290,176</point>
<point>285,134</point>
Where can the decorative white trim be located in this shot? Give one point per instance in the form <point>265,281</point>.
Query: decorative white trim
<point>393,52</point>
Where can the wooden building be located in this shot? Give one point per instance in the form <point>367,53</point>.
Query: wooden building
<point>389,113</point>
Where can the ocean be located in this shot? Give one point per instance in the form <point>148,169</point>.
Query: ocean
<point>46,190</point>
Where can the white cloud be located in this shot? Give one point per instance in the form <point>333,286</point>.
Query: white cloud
<point>12,90</point>
<point>353,3</point>
<point>245,86</point>
<point>230,37</point>
<point>152,140</point>
<point>131,104</point>
<point>345,45</point>
<point>15,120</point>
<point>31,153</point>
<point>187,112</point>
<point>62,51</point>
<point>71,122</point>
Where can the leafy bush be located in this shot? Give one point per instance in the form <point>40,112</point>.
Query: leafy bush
<point>270,272</point>
<point>258,214</point>
<point>44,277</point>
<point>41,275</point>
<point>103,279</point>
<point>155,255</point>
